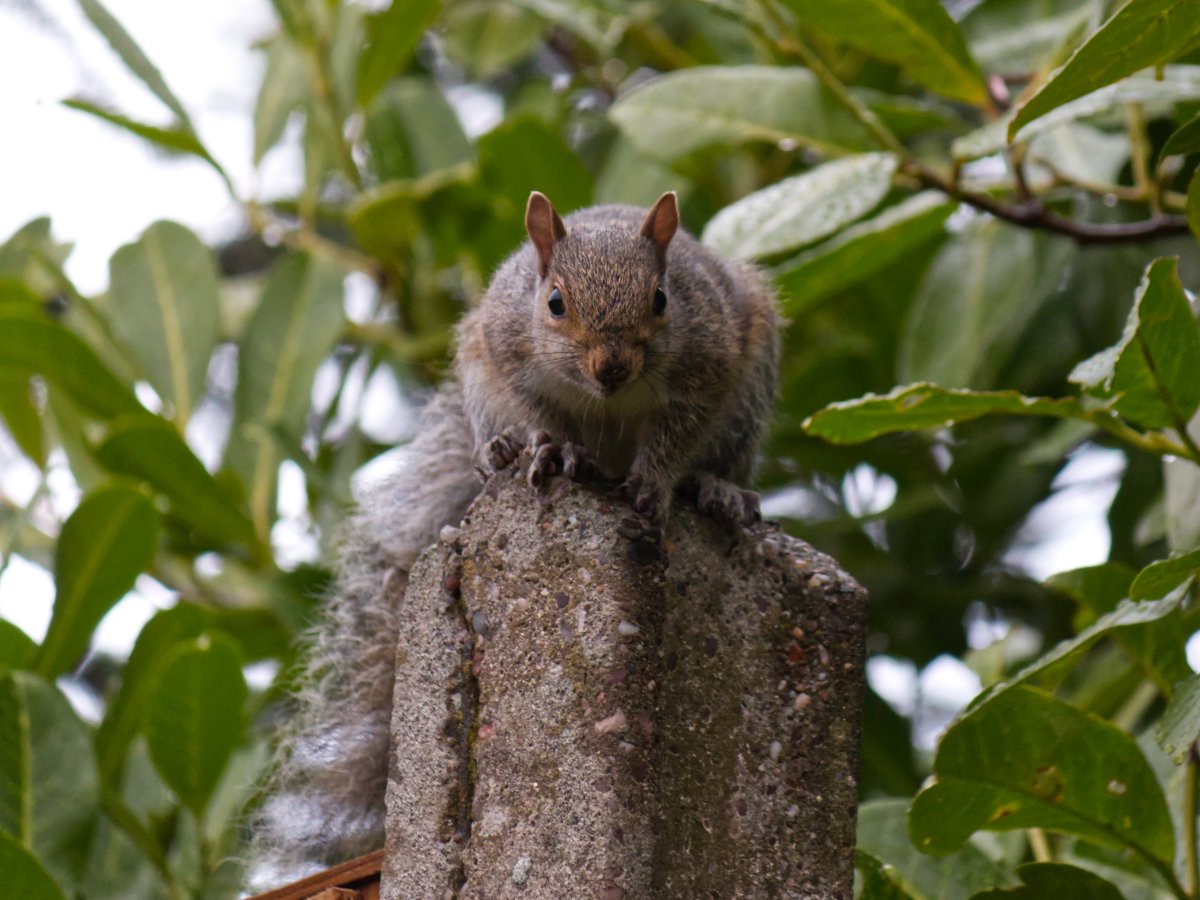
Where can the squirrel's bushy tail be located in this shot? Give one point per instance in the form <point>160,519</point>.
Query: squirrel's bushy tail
<point>323,802</point>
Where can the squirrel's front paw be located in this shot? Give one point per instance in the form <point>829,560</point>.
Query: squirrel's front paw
<point>726,502</point>
<point>501,451</point>
<point>650,499</point>
<point>567,458</point>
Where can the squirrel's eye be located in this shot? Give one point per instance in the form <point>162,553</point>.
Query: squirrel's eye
<point>558,309</point>
<point>660,301</point>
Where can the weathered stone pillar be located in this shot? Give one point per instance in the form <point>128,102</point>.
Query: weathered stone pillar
<point>578,716</point>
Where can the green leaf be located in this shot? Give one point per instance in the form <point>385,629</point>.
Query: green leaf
<point>487,38</point>
<point>16,647</point>
<point>1184,140</point>
<point>48,788</point>
<point>164,309</point>
<point>916,406</point>
<point>725,106</point>
<point>173,140</point>
<point>156,642</point>
<point>1056,880</point>
<point>504,158</point>
<point>411,132</point>
<point>1097,589</point>
<point>1024,759</point>
<point>883,834</point>
<point>1014,39</point>
<point>295,326</point>
<point>875,881</point>
<point>108,541</point>
<point>1159,578</point>
<point>387,219</point>
<point>1151,632</point>
<point>42,346</point>
<point>862,250</point>
<point>392,35</point>
<point>1193,204</point>
<point>21,415</point>
<point>974,303</point>
<point>135,60</point>
<point>24,876</point>
<point>1149,375</point>
<point>1179,727</point>
<point>195,716</point>
<point>1142,33</point>
<point>283,91</point>
<point>1178,84</point>
<point>801,209</point>
<point>147,447</point>
<point>917,35</point>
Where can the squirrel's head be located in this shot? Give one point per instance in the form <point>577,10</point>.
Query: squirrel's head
<point>602,301</point>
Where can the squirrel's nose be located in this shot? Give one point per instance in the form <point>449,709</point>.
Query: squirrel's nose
<point>611,372</point>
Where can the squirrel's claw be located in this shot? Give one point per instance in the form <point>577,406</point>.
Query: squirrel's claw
<point>726,502</point>
<point>502,451</point>
<point>649,499</point>
<point>568,459</point>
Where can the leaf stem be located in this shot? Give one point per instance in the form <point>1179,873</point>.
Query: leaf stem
<point>306,239</point>
<point>1040,845</point>
<point>1191,791</point>
<point>790,43</point>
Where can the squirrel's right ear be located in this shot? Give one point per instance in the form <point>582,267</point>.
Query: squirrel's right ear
<point>660,224</point>
<point>545,228</point>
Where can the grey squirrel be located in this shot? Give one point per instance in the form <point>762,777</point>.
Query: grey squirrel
<point>610,342</point>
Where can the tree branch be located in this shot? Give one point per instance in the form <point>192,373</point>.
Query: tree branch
<point>1034,214</point>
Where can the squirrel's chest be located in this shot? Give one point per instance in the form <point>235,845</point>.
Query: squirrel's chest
<point>612,429</point>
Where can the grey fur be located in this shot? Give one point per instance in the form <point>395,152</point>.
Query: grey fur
<point>324,799</point>
<point>702,385</point>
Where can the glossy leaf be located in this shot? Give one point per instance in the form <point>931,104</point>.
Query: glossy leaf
<point>724,106</point>
<point>38,345</point>
<point>108,541</point>
<point>1179,727</point>
<point>917,35</point>
<point>1024,759</point>
<point>883,833</point>
<point>916,406</point>
<point>283,91</point>
<point>486,37</point>
<point>16,647</point>
<point>48,788</point>
<point>504,158</point>
<point>173,140</point>
<point>147,447</point>
<point>1185,140</point>
<point>1056,880</point>
<point>163,296</point>
<point>1151,632</point>
<point>1142,33</point>
<point>802,209</point>
<point>862,251</point>
<point>297,322</point>
<point>1179,83</point>
<point>157,641</point>
<point>392,35</point>
<point>24,876</point>
<point>21,416</point>
<point>1158,579</point>
<point>411,132</point>
<point>1193,204</point>
<point>975,301</point>
<point>134,58</point>
<point>194,717</point>
<point>1149,375</point>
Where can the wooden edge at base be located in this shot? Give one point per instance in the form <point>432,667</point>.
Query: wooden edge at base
<point>353,874</point>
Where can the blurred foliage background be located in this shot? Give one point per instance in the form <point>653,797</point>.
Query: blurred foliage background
<point>988,199</point>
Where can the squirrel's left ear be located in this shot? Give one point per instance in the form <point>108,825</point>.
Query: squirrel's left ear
<point>660,224</point>
<point>545,228</point>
